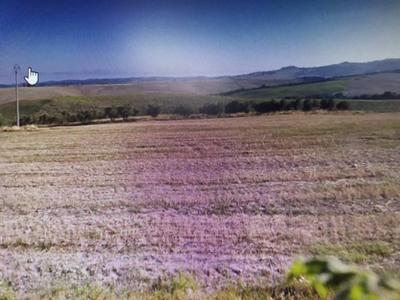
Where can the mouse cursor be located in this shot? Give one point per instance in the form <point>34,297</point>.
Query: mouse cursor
<point>33,77</point>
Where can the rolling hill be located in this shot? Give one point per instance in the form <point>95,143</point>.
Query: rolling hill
<point>348,86</point>
<point>200,87</point>
<point>330,71</point>
<point>372,78</point>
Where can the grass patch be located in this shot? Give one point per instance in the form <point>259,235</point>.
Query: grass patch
<point>26,107</point>
<point>6,292</point>
<point>175,287</point>
<point>359,252</point>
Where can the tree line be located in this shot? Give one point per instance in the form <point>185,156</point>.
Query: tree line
<point>126,111</point>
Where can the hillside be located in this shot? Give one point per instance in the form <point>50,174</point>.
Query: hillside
<point>349,86</point>
<point>200,87</point>
<point>373,84</point>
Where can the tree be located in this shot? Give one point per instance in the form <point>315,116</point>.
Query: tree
<point>153,110</point>
<point>43,119</point>
<point>327,104</point>
<point>72,118</point>
<point>314,103</point>
<point>283,105</point>
<point>307,105</point>
<point>87,116</point>
<point>343,105</point>
<point>1,120</point>
<point>80,117</point>
<point>275,105</point>
<point>111,113</point>
<point>237,107</point>
<point>25,120</point>
<point>295,104</point>
<point>183,110</point>
<point>126,110</point>
<point>262,107</point>
<point>212,109</point>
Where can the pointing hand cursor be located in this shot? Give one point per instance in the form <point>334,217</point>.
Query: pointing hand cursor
<point>33,77</point>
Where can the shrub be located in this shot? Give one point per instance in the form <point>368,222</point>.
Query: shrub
<point>183,110</point>
<point>343,105</point>
<point>327,274</point>
<point>212,109</point>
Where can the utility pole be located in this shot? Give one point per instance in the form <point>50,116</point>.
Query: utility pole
<point>16,69</point>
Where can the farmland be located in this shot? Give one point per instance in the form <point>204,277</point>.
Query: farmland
<point>114,207</point>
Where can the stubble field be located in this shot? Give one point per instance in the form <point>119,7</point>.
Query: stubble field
<point>118,206</point>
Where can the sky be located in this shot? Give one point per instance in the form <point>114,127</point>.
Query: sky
<point>74,39</point>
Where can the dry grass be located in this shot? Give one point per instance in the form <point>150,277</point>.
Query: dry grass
<point>226,200</point>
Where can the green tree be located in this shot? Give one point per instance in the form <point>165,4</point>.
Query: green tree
<point>295,104</point>
<point>327,104</point>
<point>343,105</point>
<point>183,110</point>
<point>1,120</point>
<point>153,110</point>
<point>111,113</point>
<point>43,119</point>
<point>262,107</point>
<point>25,120</point>
<point>307,106</point>
<point>87,116</point>
<point>80,117</point>
<point>65,116</point>
<point>126,110</point>
<point>212,109</point>
<point>237,107</point>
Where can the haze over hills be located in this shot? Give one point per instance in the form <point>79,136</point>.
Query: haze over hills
<point>361,78</point>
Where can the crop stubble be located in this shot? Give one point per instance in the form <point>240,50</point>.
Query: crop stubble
<point>225,199</point>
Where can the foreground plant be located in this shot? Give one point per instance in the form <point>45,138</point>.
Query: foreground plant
<point>327,274</point>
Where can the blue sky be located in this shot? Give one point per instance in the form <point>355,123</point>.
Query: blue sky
<point>123,38</point>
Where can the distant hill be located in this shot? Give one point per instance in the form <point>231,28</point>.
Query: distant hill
<point>330,71</point>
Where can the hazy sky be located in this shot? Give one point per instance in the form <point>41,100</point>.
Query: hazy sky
<point>120,38</point>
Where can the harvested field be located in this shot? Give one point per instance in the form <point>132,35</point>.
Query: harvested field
<point>225,200</point>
